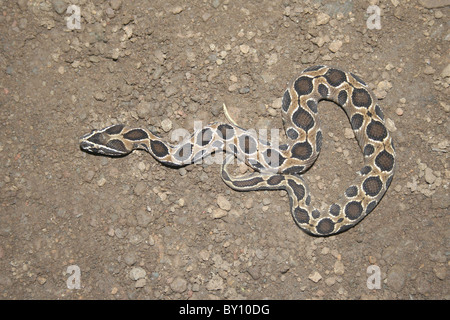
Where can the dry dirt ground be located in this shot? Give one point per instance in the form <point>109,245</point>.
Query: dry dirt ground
<point>131,228</point>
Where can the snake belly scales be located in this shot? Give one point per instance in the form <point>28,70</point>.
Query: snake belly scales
<point>279,167</point>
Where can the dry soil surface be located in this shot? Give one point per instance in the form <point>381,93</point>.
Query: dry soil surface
<point>131,228</point>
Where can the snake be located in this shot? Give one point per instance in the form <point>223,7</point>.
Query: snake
<point>278,166</point>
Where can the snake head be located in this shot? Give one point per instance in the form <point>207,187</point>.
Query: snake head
<point>103,142</point>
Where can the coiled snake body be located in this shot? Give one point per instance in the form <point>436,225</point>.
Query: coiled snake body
<point>279,167</point>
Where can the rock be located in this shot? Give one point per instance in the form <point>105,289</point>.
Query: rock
<point>129,258</point>
<point>215,3</point>
<point>128,31</point>
<point>315,277</point>
<point>396,278</point>
<point>88,176</point>
<point>5,281</point>
<point>276,104</point>
<point>244,48</point>
<point>143,218</point>
<point>143,109</point>
<point>438,14</point>
<point>440,272</point>
<point>206,16</point>
<point>109,12</point>
<point>140,187</point>
<point>335,46</point>
<point>216,283</point>
<point>440,200</point>
<point>348,133</point>
<point>384,85</point>
<point>137,273</point>
<point>248,203</point>
<point>204,255</point>
<point>273,58</point>
<point>339,268</point>
<point>166,125</point>
<point>429,70</point>
<point>140,283</point>
<point>330,281</point>
<point>115,54</point>
<point>41,280</point>
<point>431,4</point>
<point>438,256</point>
<point>115,4</point>
<point>254,272</point>
<point>22,4</point>
<point>181,202</point>
<point>382,88</point>
<point>179,285</point>
<point>322,18</point>
<point>101,181</point>
<point>177,10</point>
<point>99,96</point>
<point>218,213</point>
<point>59,6</point>
<point>170,90</point>
<point>223,203</point>
<point>446,72</point>
<point>429,176</point>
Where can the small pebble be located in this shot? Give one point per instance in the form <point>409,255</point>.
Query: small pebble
<point>348,133</point>
<point>438,14</point>
<point>399,111</point>
<point>140,188</point>
<point>59,6</point>
<point>182,171</point>
<point>273,58</point>
<point>101,181</point>
<point>216,283</point>
<point>396,278</point>
<point>215,3</point>
<point>429,70</point>
<point>339,268</point>
<point>218,213</point>
<point>276,104</point>
<point>248,203</point>
<point>223,203</point>
<point>115,4</point>
<point>244,48</point>
<point>315,277</point>
<point>140,283</point>
<point>141,166</point>
<point>429,176</point>
<point>129,258</point>
<point>170,90</point>
<point>322,18</point>
<point>445,73</point>
<point>177,9</point>
<point>166,125</point>
<point>335,46</point>
<point>206,16</point>
<point>137,273</point>
<point>440,272</point>
<point>179,285</point>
